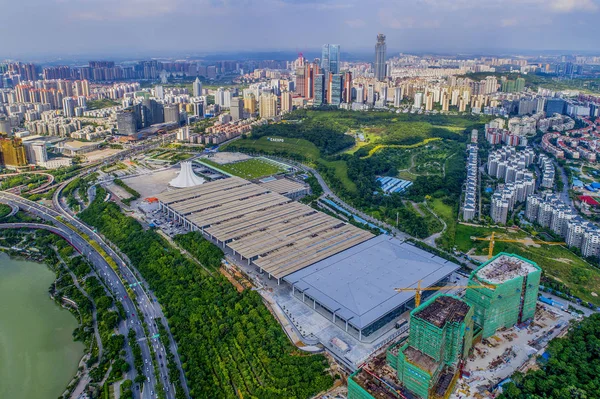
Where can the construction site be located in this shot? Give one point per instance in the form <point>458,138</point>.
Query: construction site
<point>467,347</point>
<point>510,293</point>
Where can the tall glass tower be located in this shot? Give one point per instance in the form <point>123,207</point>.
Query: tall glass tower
<point>330,58</point>
<point>380,49</point>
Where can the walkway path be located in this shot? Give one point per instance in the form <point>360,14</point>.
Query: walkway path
<point>431,239</point>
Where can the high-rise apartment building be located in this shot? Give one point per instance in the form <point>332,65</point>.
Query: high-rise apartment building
<point>69,107</point>
<point>330,58</point>
<point>286,102</point>
<point>268,106</point>
<point>250,104</point>
<point>380,57</point>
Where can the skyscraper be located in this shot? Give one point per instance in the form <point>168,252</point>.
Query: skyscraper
<point>348,87</point>
<point>330,58</point>
<point>334,93</point>
<point>197,87</point>
<point>319,89</point>
<point>380,49</point>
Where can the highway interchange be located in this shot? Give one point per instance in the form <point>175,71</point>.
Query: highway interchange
<point>146,304</point>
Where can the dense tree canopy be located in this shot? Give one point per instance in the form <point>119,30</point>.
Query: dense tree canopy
<point>228,341</point>
<point>572,371</point>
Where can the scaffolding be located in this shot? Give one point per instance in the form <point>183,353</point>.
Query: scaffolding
<point>363,385</point>
<point>513,299</point>
<point>441,334</point>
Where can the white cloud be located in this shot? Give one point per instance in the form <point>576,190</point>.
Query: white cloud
<point>506,22</point>
<point>573,5</point>
<point>355,23</point>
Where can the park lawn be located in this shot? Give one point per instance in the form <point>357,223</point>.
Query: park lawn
<point>445,212</point>
<point>99,104</point>
<point>406,175</point>
<point>341,173</point>
<point>557,261</point>
<point>249,169</point>
<point>289,145</point>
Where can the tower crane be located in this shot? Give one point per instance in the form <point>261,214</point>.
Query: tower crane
<point>418,290</point>
<point>492,240</point>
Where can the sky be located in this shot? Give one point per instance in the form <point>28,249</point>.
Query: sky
<point>32,29</point>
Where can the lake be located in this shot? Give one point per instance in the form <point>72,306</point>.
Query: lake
<point>38,356</point>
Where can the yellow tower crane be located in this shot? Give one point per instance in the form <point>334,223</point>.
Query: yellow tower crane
<point>418,290</point>
<point>492,240</point>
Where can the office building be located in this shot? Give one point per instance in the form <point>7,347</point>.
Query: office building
<point>171,113</point>
<point>380,58</point>
<point>12,152</point>
<point>197,87</point>
<point>128,121</point>
<point>237,108</point>
<point>556,106</point>
<point>510,294</point>
<point>330,59</point>
<point>36,152</point>
<point>319,91</point>
<point>334,93</point>
<point>398,95</point>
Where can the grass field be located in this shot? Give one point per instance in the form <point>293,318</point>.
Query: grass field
<point>250,169</point>
<point>341,173</point>
<point>558,262</point>
<point>263,145</point>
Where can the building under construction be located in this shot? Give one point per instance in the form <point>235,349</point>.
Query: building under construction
<point>512,294</point>
<point>441,334</point>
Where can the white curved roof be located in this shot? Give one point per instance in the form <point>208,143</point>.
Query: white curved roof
<point>186,177</point>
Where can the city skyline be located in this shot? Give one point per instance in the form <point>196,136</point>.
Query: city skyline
<point>94,27</point>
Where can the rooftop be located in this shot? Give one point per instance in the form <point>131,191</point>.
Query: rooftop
<point>505,267</point>
<point>279,235</point>
<point>420,359</point>
<point>444,309</point>
<point>359,282</point>
<point>374,387</point>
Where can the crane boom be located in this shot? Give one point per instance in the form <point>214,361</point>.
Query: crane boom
<point>418,290</point>
<point>493,240</point>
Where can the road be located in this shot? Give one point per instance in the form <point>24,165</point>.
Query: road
<point>147,302</point>
<point>112,281</point>
<point>564,194</point>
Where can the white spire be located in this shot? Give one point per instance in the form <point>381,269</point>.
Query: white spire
<point>186,177</point>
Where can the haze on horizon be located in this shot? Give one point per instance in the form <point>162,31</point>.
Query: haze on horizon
<point>53,28</point>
